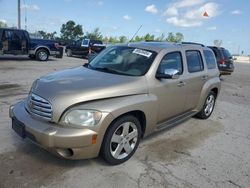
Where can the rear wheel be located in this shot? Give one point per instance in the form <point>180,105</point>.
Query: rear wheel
<point>208,106</point>
<point>121,140</point>
<point>42,55</point>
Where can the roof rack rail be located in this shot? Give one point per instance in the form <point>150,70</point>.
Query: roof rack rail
<point>194,43</point>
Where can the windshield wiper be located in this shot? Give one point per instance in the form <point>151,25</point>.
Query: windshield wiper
<point>105,69</point>
<point>87,65</point>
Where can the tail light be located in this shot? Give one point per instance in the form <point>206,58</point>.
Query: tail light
<point>222,62</point>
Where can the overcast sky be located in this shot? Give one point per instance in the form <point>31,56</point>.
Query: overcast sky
<point>228,20</point>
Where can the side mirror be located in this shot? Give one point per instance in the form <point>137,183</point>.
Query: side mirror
<point>168,74</point>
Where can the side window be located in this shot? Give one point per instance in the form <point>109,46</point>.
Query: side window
<point>194,61</point>
<point>79,42</point>
<point>210,60</point>
<point>18,35</point>
<point>8,34</point>
<point>171,60</point>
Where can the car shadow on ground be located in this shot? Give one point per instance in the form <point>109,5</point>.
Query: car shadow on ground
<point>78,57</point>
<point>20,58</point>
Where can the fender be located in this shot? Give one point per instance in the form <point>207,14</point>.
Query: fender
<point>118,106</point>
<point>33,52</point>
<point>207,87</point>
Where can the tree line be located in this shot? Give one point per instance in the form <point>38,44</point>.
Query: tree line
<point>70,31</point>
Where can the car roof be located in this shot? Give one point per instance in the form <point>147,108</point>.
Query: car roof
<point>10,28</point>
<point>215,47</point>
<point>159,46</point>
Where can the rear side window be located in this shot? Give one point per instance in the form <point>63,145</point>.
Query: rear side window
<point>210,60</point>
<point>171,60</point>
<point>194,61</point>
<point>226,54</point>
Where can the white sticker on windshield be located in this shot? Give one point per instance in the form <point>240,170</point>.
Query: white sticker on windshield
<point>142,52</point>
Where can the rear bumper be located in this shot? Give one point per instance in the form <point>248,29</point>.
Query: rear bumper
<point>227,69</point>
<point>70,143</point>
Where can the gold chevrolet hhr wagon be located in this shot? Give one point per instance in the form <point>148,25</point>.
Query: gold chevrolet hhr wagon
<point>122,95</point>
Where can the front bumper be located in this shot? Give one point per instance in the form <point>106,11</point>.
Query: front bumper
<point>71,143</point>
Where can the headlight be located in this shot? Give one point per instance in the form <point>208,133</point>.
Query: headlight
<point>82,117</point>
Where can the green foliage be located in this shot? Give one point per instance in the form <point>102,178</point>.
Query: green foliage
<point>71,31</point>
<point>47,35</point>
<point>149,37</point>
<point>123,39</point>
<point>178,37</point>
<point>95,34</point>
<point>3,24</point>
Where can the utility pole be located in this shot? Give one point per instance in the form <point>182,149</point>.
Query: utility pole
<point>19,14</point>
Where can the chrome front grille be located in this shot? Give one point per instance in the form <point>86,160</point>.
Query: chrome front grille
<point>39,107</point>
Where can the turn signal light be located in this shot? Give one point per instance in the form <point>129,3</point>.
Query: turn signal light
<point>94,139</point>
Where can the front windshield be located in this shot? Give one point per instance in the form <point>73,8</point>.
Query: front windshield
<point>123,60</point>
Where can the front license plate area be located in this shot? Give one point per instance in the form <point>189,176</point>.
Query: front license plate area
<point>18,127</point>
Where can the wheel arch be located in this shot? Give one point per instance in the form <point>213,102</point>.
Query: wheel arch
<point>211,85</point>
<point>42,47</point>
<point>140,115</point>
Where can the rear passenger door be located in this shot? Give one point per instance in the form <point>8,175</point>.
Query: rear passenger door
<point>196,77</point>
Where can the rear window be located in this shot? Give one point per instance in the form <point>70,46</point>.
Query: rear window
<point>226,54</point>
<point>194,61</point>
<point>210,60</point>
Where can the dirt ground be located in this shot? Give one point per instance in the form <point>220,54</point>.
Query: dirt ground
<point>196,153</point>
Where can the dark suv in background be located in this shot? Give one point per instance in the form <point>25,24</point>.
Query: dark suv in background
<point>224,60</point>
<point>84,47</point>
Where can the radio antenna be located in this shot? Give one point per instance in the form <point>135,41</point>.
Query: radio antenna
<point>135,33</point>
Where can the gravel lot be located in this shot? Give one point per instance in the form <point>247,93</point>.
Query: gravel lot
<point>197,153</point>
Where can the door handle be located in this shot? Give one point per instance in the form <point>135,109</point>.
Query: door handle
<point>205,77</point>
<point>181,83</point>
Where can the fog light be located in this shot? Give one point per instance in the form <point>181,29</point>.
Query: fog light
<point>65,152</point>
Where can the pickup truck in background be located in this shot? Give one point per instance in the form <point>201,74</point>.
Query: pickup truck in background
<point>18,42</point>
<point>84,47</point>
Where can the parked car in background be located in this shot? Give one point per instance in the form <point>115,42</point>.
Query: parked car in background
<point>18,42</point>
<point>224,60</point>
<point>125,93</point>
<point>84,47</point>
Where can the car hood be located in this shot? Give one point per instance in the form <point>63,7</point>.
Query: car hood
<point>77,85</point>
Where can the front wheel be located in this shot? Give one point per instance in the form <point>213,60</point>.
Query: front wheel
<point>208,107</point>
<point>42,55</point>
<point>121,140</point>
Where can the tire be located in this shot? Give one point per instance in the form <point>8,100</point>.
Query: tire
<point>208,106</point>
<point>42,55</point>
<point>121,140</point>
<point>69,53</point>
